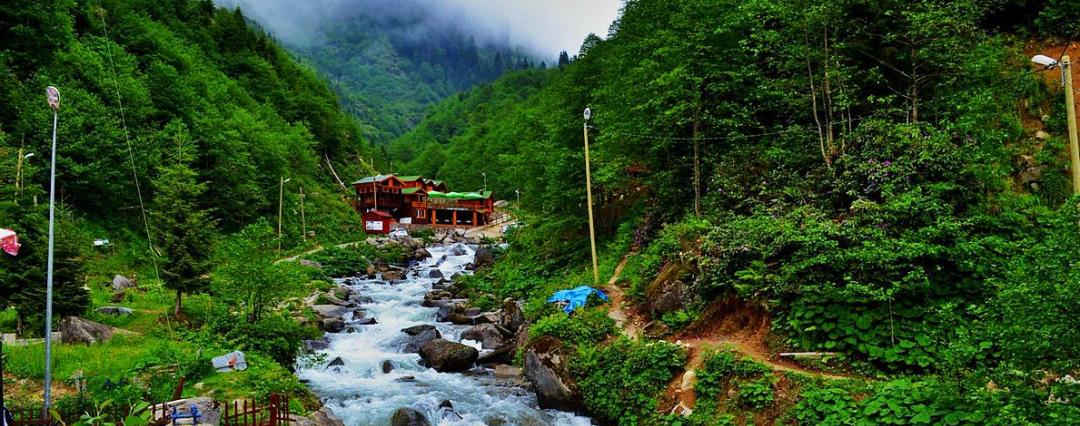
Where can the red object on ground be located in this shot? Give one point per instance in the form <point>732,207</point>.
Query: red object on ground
<point>9,242</point>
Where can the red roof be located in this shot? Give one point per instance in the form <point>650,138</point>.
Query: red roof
<point>381,214</point>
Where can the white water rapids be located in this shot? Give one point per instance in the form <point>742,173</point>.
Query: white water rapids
<point>361,394</point>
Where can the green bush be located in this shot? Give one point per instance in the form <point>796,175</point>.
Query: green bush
<point>757,394</point>
<point>622,382</point>
<point>584,326</point>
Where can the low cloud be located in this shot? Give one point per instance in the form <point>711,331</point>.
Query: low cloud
<point>544,27</point>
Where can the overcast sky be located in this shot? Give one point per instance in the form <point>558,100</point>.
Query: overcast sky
<point>543,26</point>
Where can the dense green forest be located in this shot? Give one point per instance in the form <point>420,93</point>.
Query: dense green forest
<point>182,124</point>
<point>389,67</point>
<point>888,181</point>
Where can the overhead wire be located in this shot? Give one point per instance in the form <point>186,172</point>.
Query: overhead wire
<point>127,140</point>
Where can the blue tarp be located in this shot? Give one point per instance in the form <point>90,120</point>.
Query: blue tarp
<point>576,298</point>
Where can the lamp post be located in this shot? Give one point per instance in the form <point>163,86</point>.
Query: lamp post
<point>281,199</point>
<point>1066,80</point>
<point>588,193</point>
<point>303,220</point>
<point>53,96</point>
<point>518,192</point>
<point>485,180</point>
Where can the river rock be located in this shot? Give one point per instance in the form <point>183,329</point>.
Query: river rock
<point>317,345</point>
<point>408,417</point>
<point>433,298</point>
<point>336,362</point>
<point>502,354</point>
<point>332,325</point>
<point>387,366</point>
<point>483,258</point>
<point>435,273</point>
<point>444,355</point>
<point>393,275</point>
<point>512,317</point>
<point>421,254</point>
<point>78,330</point>
<point>329,311</point>
<point>417,336</point>
<point>458,250</point>
<point>546,368</point>
<point>120,282</point>
<point>325,417</point>
<point>487,334</point>
<point>366,321</point>
<point>668,292</point>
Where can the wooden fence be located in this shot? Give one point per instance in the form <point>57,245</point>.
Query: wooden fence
<point>31,418</point>
<point>247,413</point>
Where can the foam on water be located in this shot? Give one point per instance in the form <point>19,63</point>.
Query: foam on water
<point>361,394</point>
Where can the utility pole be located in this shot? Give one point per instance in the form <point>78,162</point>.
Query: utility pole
<point>303,220</point>
<point>588,193</point>
<point>1074,145</point>
<point>1070,105</point>
<point>697,164</point>
<point>53,96</point>
<point>281,200</point>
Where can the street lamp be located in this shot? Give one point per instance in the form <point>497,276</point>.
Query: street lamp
<point>1070,105</point>
<point>485,180</point>
<point>588,193</point>
<point>281,199</point>
<point>53,97</point>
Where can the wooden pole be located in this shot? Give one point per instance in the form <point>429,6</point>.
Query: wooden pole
<point>303,220</point>
<point>588,193</point>
<point>281,199</point>
<point>1074,145</point>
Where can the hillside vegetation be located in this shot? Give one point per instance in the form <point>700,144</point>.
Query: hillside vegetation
<point>888,181</point>
<point>185,110</point>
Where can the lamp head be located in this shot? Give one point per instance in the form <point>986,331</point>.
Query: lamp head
<point>588,113</point>
<point>1045,61</point>
<point>53,95</point>
<point>27,156</point>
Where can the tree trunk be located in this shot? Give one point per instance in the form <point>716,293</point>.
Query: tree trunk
<point>179,300</point>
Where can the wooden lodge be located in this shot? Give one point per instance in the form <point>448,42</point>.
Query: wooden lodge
<point>417,200</point>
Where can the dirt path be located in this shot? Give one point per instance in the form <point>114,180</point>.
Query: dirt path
<point>628,323</point>
<point>729,324</point>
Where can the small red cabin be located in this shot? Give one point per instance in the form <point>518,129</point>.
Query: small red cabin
<point>378,222</point>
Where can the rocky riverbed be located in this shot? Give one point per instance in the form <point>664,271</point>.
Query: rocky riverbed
<point>402,349</point>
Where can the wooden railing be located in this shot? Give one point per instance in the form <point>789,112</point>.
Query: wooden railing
<point>30,417</point>
<point>247,413</point>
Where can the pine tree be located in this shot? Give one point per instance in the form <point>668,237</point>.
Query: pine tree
<point>564,59</point>
<point>184,230</point>
<point>22,277</point>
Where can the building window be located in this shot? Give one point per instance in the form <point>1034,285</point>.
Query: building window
<point>421,214</point>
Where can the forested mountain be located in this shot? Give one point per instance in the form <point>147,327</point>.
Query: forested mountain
<point>197,88</point>
<point>389,66</point>
<point>887,180</point>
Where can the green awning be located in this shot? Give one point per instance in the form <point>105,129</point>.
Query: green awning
<point>408,191</point>
<point>436,194</point>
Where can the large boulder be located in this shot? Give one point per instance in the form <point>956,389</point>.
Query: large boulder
<point>408,417</point>
<point>393,275</point>
<point>332,325</point>
<point>483,257</point>
<point>668,292</point>
<point>417,336</point>
<point>321,417</point>
<point>121,282</point>
<point>444,355</point>
<point>329,311</point>
<point>512,317</point>
<point>208,409</point>
<point>311,263</point>
<point>546,368</point>
<point>78,330</point>
<point>487,334</point>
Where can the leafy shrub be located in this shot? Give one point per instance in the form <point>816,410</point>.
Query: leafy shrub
<point>824,406</point>
<point>584,326</point>
<point>621,382</point>
<point>719,368</point>
<point>757,394</point>
<point>344,261</point>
